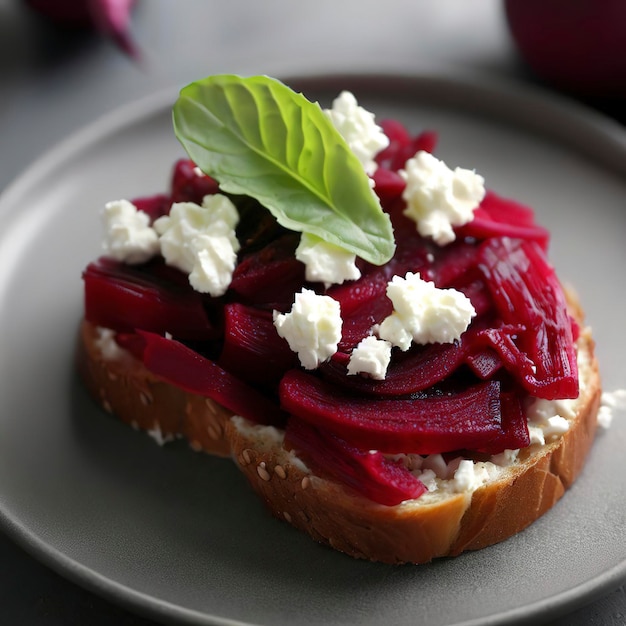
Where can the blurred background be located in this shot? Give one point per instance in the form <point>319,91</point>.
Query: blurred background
<point>64,63</point>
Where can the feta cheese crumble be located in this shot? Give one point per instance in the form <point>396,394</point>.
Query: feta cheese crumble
<point>358,127</point>
<point>109,348</point>
<point>548,419</point>
<point>610,401</point>
<point>128,236</point>
<point>469,476</point>
<point>371,356</point>
<point>423,313</point>
<point>325,262</point>
<point>200,240</point>
<point>312,328</point>
<point>439,198</point>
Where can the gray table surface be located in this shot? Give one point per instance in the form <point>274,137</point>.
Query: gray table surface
<point>54,82</point>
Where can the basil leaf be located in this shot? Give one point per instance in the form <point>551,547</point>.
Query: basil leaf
<point>259,138</point>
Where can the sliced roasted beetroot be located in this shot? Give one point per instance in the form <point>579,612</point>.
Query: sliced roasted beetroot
<point>514,435</point>
<point>269,276</point>
<point>388,185</point>
<point>402,145</point>
<point>353,296</point>
<point>369,473</point>
<point>475,289</point>
<point>189,185</point>
<point>253,350</point>
<point>399,141</point>
<point>527,292</point>
<point>453,262</point>
<point>485,363</point>
<point>427,424</point>
<point>506,210</point>
<point>124,298</point>
<point>358,324</point>
<point>484,227</point>
<point>501,217</point>
<point>417,370</point>
<point>180,366</point>
<point>155,206</point>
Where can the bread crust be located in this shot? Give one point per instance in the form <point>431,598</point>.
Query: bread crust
<point>415,531</point>
<point>125,388</point>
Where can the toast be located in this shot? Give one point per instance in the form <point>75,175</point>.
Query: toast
<point>439,523</point>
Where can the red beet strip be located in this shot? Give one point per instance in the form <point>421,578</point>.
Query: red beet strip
<point>180,366</point>
<point>527,292</point>
<point>369,473</point>
<point>439,423</point>
<point>124,298</point>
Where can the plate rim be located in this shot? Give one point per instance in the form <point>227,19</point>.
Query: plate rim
<point>533,107</point>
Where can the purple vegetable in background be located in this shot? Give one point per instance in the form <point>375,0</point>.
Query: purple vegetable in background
<point>109,17</point>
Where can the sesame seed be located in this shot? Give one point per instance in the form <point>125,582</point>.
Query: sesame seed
<point>215,432</point>
<point>210,405</point>
<point>262,472</point>
<point>107,406</point>
<point>287,516</point>
<point>112,377</point>
<point>246,456</point>
<point>279,470</point>
<point>145,398</point>
<point>306,481</point>
<point>195,445</point>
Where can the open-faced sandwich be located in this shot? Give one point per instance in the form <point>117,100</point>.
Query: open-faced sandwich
<point>378,340</point>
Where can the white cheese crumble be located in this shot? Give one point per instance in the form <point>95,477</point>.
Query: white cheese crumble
<point>312,328</point>
<point>371,356</point>
<point>548,419</point>
<point>423,313</point>
<point>439,198</point>
<point>325,262</point>
<point>159,437</point>
<point>458,475</point>
<point>128,236</point>
<point>505,458</point>
<point>358,127</point>
<point>201,241</point>
<point>106,344</point>
<point>610,401</point>
<point>469,476</point>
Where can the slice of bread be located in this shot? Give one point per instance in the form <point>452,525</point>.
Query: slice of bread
<point>442,522</point>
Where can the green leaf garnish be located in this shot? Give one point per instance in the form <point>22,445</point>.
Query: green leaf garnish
<point>259,138</point>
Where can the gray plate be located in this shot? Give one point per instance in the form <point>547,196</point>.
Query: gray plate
<point>178,535</point>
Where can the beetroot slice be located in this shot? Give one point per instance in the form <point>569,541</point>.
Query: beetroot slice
<point>269,276</point>
<point>484,363</point>
<point>484,227</point>
<point>424,425</point>
<point>155,206</point>
<point>188,186</point>
<point>417,370</point>
<point>388,185</point>
<point>186,369</point>
<point>502,217</point>
<point>253,350</point>
<point>123,298</point>
<point>369,473</point>
<point>527,292</point>
<point>514,433</point>
<point>506,210</point>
